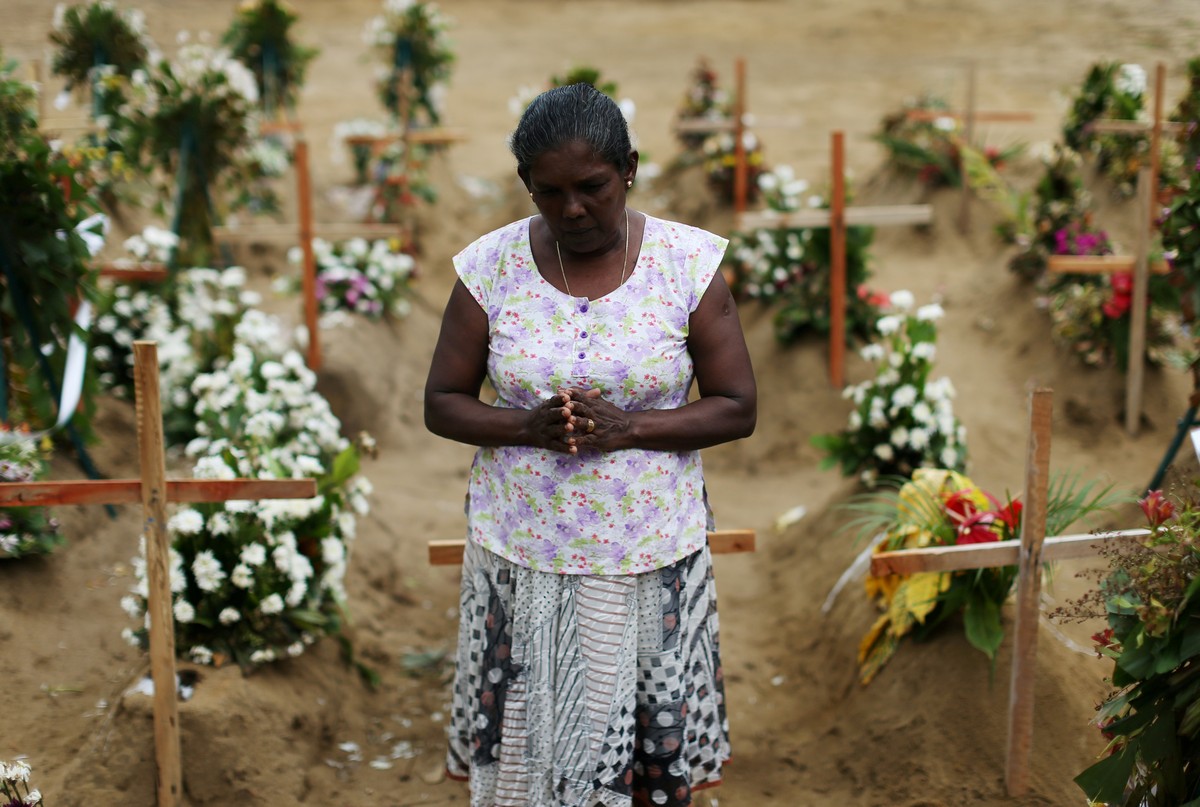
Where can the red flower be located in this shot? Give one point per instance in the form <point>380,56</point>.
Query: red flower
<point>1157,507</point>
<point>1122,283</point>
<point>1011,515</point>
<point>1116,306</point>
<point>972,525</point>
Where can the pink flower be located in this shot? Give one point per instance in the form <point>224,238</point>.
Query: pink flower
<point>1157,507</point>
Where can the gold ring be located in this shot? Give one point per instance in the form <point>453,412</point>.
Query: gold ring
<point>591,426</point>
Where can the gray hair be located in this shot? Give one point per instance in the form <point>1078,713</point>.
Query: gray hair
<point>577,112</point>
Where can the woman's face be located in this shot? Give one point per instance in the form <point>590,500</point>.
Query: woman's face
<point>580,195</point>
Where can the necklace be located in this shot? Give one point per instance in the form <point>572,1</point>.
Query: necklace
<point>624,263</point>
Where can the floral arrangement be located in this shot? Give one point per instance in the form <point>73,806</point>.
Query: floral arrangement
<point>192,119</point>
<point>25,531</point>
<point>253,582</point>
<point>927,144</point>
<point>45,215</point>
<point>360,153</point>
<point>789,267</point>
<point>720,163</point>
<point>256,166</point>
<point>1153,638</point>
<point>902,420</point>
<point>411,35</point>
<point>401,174</point>
<point>579,74</point>
<point>193,319</point>
<point>95,43</point>
<point>371,279</point>
<point>702,101</point>
<point>260,37</point>
<point>1116,91</point>
<point>14,777</point>
<point>939,507</point>
<point>17,108</point>
<point>1188,113</point>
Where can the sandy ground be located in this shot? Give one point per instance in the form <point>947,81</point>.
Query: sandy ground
<point>931,729</point>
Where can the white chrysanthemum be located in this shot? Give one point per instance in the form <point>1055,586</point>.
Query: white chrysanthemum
<point>184,611</point>
<point>213,468</point>
<point>272,605</point>
<point>888,325</point>
<point>242,576</point>
<point>924,350</point>
<point>872,352</point>
<point>918,439</point>
<point>295,649</point>
<point>899,436</point>
<point>904,396</point>
<point>262,656</point>
<point>129,636</point>
<point>201,654</point>
<point>1131,79</point>
<point>885,452</point>
<point>131,605</point>
<point>930,312</point>
<point>207,571</point>
<point>922,413</point>
<point>186,522</point>
<point>229,616</point>
<point>902,300</point>
<point>949,457</point>
<point>254,555</point>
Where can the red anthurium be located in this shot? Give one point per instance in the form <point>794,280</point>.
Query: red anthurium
<point>1011,515</point>
<point>972,525</point>
<point>1157,507</point>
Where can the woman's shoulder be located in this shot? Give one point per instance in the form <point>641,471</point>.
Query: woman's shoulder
<point>677,235</point>
<point>515,232</point>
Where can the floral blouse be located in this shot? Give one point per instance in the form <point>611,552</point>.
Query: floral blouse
<point>620,512</point>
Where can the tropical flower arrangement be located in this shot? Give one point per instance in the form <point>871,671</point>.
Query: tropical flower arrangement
<point>1151,720</point>
<point>260,37</point>
<point>14,777</point>
<point>703,101</point>
<point>25,531</point>
<point>940,507</point>
<point>95,42</point>
<point>411,35</point>
<point>253,582</point>
<point>922,141</point>
<point>789,267</point>
<point>193,320</point>
<point>193,119</point>
<point>902,419</point>
<point>371,279</point>
<point>720,164</point>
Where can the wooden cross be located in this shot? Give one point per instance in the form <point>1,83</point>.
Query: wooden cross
<point>837,218</point>
<point>720,542</point>
<point>736,124</point>
<point>1155,128</point>
<point>969,117</point>
<point>1028,554</point>
<point>1139,264</point>
<point>154,490</point>
<point>305,230</point>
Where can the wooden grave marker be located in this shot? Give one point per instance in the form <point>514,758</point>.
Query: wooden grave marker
<point>154,490</point>
<point>1139,264</point>
<point>720,542</point>
<point>837,218</point>
<point>1028,554</point>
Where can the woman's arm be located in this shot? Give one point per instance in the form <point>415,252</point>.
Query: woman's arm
<point>726,410</point>
<point>452,405</point>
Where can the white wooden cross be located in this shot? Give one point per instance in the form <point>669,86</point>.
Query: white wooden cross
<point>1141,267</point>
<point>154,490</point>
<point>837,218</point>
<point>1028,554</point>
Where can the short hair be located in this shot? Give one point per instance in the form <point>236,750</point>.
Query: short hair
<point>576,112</point>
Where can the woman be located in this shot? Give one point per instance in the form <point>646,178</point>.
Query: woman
<point>588,663</point>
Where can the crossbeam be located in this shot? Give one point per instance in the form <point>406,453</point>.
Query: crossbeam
<point>720,542</point>
<point>289,232</point>
<point>1099,265</point>
<point>855,217</point>
<point>927,115</point>
<point>987,556</point>
<point>129,491</point>
<point>124,272</point>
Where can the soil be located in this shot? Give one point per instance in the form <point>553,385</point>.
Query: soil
<point>931,729</point>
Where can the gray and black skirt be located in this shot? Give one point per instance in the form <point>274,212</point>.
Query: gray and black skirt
<point>576,690</point>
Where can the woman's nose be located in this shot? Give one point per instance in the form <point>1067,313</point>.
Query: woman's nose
<point>573,207</point>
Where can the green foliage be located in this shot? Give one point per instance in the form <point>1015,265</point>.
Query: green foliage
<point>1153,719</point>
<point>410,35</point>
<point>90,35</point>
<point>704,100</point>
<point>1188,112</point>
<point>260,37</point>
<point>25,531</point>
<point>18,118</point>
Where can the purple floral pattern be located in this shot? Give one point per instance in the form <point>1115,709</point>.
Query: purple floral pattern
<point>623,512</point>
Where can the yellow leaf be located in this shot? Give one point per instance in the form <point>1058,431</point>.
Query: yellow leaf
<point>872,636</point>
<point>922,592</point>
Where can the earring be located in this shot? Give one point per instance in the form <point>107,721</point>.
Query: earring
<point>531,194</point>
<point>629,183</point>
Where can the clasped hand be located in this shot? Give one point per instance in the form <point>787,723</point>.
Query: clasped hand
<point>576,418</point>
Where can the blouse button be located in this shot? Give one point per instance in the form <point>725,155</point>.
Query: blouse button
<point>583,308</point>
<point>582,355</point>
<point>583,335</point>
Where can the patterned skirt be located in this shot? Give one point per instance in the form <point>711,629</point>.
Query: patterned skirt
<point>576,691</point>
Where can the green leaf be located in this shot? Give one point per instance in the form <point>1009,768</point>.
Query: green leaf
<point>1105,781</point>
<point>981,618</point>
<point>345,466</point>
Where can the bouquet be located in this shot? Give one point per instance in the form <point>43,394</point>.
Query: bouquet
<point>253,582</point>
<point>25,530</point>
<point>902,420</point>
<point>1188,113</point>
<point>17,104</point>
<point>1060,203</point>
<point>192,119</point>
<point>410,36</point>
<point>704,101</point>
<point>720,164</point>
<point>923,142</point>
<point>14,777</point>
<point>579,74</point>
<point>1152,719</point>
<point>939,507</point>
<point>372,279</point>
<point>96,46</point>
<point>789,267</point>
<point>361,153</point>
<point>260,37</point>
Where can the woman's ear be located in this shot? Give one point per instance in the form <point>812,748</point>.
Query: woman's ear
<point>524,175</point>
<point>631,171</point>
